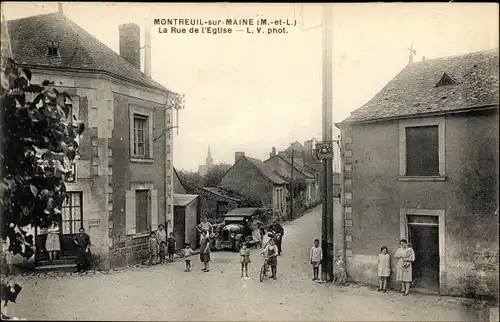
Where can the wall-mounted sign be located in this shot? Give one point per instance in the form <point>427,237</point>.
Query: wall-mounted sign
<point>71,176</point>
<point>324,150</point>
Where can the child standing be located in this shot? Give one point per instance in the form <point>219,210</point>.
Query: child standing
<point>245,259</point>
<point>316,258</point>
<point>153,248</point>
<point>188,252</point>
<point>384,268</point>
<point>171,247</point>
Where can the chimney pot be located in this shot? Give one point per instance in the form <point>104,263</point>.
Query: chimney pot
<point>273,153</point>
<point>60,7</point>
<point>423,58</point>
<point>130,42</point>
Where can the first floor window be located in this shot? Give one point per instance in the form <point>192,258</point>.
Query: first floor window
<point>72,213</point>
<point>142,210</point>
<point>141,136</point>
<point>422,151</point>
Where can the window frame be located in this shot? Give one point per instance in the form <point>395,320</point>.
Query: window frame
<point>142,120</point>
<point>152,208</point>
<point>431,121</point>
<point>69,205</point>
<point>146,113</point>
<point>147,192</point>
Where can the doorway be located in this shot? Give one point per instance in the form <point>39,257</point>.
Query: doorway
<point>70,222</point>
<point>423,233</point>
<point>179,227</point>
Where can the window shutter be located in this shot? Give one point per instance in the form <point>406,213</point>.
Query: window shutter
<point>130,212</point>
<point>85,147</point>
<point>154,209</point>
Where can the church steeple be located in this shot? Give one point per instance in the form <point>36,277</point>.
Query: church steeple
<point>209,161</point>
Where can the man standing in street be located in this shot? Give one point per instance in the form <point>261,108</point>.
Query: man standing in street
<point>278,229</point>
<point>205,225</point>
<point>82,242</point>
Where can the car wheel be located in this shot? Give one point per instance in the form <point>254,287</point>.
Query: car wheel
<point>237,245</point>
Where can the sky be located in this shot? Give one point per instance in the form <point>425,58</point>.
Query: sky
<point>250,92</point>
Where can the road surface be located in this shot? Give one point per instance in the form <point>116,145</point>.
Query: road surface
<point>166,292</point>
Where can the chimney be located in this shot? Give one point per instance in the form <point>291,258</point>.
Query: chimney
<point>60,6</point>
<point>147,52</point>
<point>308,151</point>
<point>130,42</point>
<point>423,58</point>
<point>238,155</point>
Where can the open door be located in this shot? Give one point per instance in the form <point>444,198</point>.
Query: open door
<point>179,228</point>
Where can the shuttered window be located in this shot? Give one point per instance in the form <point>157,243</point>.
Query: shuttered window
<point>142,211</point>
<point>422,151</point>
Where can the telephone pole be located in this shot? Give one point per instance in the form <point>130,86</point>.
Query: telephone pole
<point>327,220</point>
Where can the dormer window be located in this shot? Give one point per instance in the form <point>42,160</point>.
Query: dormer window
<point>446,80</point>
<point>53,48</point>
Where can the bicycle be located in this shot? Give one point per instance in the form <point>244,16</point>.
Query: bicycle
<point>264,269</point>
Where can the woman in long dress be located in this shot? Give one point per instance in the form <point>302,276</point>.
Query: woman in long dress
<point>405,257</point>
<point>53,244</point>
<point>256,232</point>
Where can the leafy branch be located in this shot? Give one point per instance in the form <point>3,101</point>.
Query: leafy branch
<point>39,143</point>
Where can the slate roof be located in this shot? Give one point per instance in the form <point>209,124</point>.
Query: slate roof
<point>413,91</point>
<point>78,49</point>
<point>182,200</point>
<point>222,193</point>
<point>266,170</point>
<point>296,165</point>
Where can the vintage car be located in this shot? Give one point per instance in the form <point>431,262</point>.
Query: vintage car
<point>236,229</point>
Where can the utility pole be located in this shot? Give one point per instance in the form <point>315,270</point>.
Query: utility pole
<point>291,187</point>
<point>327,220</point>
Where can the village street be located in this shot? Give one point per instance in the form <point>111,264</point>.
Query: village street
<point>168,293</point>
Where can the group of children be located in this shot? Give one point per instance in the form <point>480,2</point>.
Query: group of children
<point>160,245</point>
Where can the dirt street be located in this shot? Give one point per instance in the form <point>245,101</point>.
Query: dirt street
<point>166,292</point>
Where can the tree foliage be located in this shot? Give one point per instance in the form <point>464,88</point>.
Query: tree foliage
<point>215,173</point>
<point>192,181</point>
<point>38,146</point>
<point>299,185</point>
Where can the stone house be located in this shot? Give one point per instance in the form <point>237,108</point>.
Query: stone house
<point>283,167</point>
<point>122,183</point>
<point>215,202</point>
<point>252,178</point>
<point>420,161</point>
